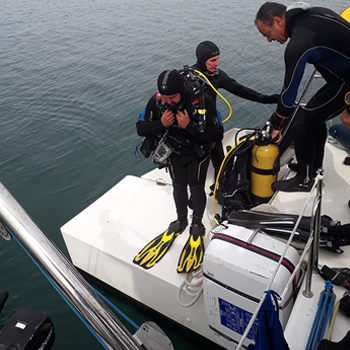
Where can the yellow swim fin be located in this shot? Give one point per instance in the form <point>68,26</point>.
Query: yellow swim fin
<point>156,249</point>
<point>192,253</point>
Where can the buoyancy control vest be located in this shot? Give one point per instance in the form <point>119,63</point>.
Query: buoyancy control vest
<point>247,173</point>
<point>174,141</point>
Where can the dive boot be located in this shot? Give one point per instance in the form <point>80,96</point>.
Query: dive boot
<point>293,166</point>
<point>293,185</point>
<point>157,248</point>
<point>192,253</point>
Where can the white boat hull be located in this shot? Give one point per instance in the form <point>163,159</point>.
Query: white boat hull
<point>104,239</point>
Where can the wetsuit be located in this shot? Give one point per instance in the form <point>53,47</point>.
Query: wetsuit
<point>220,80</point>
<point>320,37</point>
<point>191,155</point>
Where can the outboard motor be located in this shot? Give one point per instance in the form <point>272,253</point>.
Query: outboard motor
<point>27,330</point>
<point>3,297</point>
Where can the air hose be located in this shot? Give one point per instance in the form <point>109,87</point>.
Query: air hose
<point>218,93</point>
<point>234,148</point>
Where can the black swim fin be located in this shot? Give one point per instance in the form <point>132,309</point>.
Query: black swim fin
<point>192,253</point>
<point>156,249</point>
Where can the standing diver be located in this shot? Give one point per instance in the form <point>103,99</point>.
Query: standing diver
<point>174,121</point>
<point>207,62</point>
<point>320,37</point>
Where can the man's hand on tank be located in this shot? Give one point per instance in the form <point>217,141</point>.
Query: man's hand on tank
<point>345,118</point>
<point>276,135</point>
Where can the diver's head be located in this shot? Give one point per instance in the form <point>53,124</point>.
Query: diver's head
<point>208,56</point>
<point>171,87</point>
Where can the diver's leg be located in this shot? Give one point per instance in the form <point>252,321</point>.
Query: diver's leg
<point>309,134</point>
<point>179,176</point>
<point>197,173</point>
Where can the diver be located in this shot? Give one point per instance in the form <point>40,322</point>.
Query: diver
<point>208,55</point>
<point>320,37</point>
<point>174,121</point>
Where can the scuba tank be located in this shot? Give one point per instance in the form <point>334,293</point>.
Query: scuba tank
<point>263,168</point>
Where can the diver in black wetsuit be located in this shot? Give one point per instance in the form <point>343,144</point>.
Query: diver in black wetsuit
<point>321,37</point>
<point>207,62</point>
<point>173,112</point>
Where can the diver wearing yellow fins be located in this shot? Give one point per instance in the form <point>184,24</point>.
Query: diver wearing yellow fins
<point>180,126</point>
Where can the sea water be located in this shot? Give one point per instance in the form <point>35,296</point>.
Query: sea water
<point>74,76</point>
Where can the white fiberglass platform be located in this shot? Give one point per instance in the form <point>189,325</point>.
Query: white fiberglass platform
<point>104,239</point>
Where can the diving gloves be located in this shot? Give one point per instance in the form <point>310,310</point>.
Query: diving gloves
<point>156,249</point>
<point>192,253</point>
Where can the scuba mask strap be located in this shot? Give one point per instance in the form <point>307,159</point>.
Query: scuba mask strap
<point>165,79</point>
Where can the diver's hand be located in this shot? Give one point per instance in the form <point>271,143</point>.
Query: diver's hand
<point>168,118</point>
<point>345,118</point>
<point>183,119</point>
<point>276,135</point>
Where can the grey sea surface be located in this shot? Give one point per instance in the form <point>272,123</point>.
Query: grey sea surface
<point>74,77</point>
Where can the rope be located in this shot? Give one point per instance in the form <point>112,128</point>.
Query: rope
<point>192,286</point>
<point>330,331</point>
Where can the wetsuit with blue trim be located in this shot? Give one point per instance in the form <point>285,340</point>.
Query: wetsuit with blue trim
<point>190,159</point>
<point>220,80</point>
<point>321,37</point>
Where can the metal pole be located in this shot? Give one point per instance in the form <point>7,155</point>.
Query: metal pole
<point>300,100</point>
<point>317,219</point>
<point>315,226</point>
<point>103,322</point>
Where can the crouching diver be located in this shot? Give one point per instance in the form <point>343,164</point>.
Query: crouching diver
<point>182,131</point>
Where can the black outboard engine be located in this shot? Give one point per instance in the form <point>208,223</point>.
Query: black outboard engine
<point>27,330</point>
<point>3,297</point>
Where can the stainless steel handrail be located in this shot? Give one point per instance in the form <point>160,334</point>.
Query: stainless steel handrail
<point>310,246</point>
<point>313,75</point>
<point>107,328</point>
<point>315,231</point>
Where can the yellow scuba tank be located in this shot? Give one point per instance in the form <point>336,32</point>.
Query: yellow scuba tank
<point>263,171</point>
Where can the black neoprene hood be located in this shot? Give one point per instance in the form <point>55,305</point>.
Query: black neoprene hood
<point>170,83</point>
<point>205,51</point>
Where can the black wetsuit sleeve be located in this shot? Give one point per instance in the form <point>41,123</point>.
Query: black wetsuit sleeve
<point>148,123</point>
<point>213,130</point>
<point>231,85</point>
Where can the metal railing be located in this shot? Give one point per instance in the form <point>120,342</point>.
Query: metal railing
<point>311,247</point>
<point>93,311</point>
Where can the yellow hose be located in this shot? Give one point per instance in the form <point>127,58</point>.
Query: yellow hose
<point>210,84</point>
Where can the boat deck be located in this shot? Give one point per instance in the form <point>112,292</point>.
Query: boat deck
<point>104,239</point>
<point>336,195</point>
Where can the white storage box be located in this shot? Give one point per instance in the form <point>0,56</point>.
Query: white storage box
<point>236,275</point>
